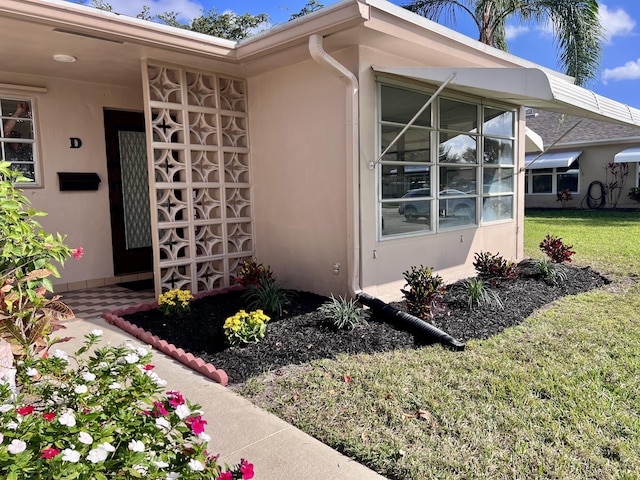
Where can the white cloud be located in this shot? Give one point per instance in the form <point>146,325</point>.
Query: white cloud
<point>628,71</point>
<point>615,23</point>
<point>513,31</point>
<point>186,9</point>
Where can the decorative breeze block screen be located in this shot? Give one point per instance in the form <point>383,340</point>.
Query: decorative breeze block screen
<point>200,185</point>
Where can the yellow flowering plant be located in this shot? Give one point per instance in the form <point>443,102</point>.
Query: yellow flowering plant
<point>175,302</point>
<point>243,327</point>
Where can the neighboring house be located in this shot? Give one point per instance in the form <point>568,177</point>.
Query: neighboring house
<point>296,146</point>
<point>578,156</point>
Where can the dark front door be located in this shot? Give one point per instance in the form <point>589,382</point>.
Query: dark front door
<point>128,192</point>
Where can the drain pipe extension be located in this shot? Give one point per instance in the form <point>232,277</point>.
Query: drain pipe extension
<point>353,156</point>
<point>321,57</point>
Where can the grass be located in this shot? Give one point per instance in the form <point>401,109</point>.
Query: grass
<point>556,397</point>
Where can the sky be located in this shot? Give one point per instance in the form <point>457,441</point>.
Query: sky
<point>618,79</point>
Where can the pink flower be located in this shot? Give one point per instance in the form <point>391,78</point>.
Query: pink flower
<point>77,253</point>
<point>49,452</point>
<point>246,469</point>
<point>24,410</point>
<point>175,399</point>
<point>226,476</point>
<point>159,409</point>
<point>197,424</point>
<point>148,367</point>
<point>49,416</point>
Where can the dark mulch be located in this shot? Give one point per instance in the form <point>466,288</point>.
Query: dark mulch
<point>303,334</point>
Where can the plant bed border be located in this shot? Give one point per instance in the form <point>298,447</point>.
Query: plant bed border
<point>114,317</point>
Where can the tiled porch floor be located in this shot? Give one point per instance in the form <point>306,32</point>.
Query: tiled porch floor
<point>96,301</point>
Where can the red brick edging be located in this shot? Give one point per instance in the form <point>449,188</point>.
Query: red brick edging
<point>197,364</point>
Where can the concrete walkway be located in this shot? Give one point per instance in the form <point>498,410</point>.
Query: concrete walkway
<point>238,429</point>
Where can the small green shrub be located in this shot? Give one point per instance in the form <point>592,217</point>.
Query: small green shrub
<point>268,295</point>
<point>175,302</point>
<point>557,251</point>
<point>552,273</point>
<point>346,314</point>
<point>490,266</point>
<point>243,327</point>
<point>425,293</point>
<point>481,294</point>
<point>254,273</point>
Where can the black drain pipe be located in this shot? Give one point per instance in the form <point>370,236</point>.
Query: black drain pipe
<point>410,321</point>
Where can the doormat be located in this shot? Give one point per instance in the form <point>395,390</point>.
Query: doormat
<point>138,285</point>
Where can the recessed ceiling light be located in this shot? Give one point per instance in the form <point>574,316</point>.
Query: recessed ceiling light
<point>61,57</point>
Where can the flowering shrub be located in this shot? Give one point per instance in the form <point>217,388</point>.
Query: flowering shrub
<point>426,291</point>
<point>253,273</point>
<point>28,257</point>
<point>557,251</point>
<point>175,302</point>
<point>105,418</point>
<point>492,266</point>
<point>243,327</point>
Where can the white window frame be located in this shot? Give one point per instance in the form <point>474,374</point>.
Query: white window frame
<point>479,196</point>
<point>30,118</point>
<point>554,180</point>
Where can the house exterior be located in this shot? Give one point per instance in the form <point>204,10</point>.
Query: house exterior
<point>578,155</point>
<point>302,146</point>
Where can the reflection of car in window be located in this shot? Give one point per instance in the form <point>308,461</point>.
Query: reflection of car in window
<point>460,207</point>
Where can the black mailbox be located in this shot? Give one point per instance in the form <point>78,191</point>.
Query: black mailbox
<point>78,181</point>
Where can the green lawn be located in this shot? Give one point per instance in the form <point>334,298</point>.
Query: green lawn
<point>556,397</point>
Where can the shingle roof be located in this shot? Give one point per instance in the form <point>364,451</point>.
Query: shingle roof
<point>549,126</point>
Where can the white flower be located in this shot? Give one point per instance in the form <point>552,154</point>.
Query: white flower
<point>32,372</point>
<point>68,419</point>
<point>97,332</point>
<point>103,365</point>
<point>107,447</point>
<point>172,476</point>
<point>97,455</point>
<point>160,464</point>
<point>142,351</point>
<point>163,423</point>
<point>136,446</point>
<point>17,446</point>
<point>100,453</point>
<point>12,425</point>
<point>156,379</point>
<point>80,389</point>
<point>88,377</point>
<point>84,437</point>
<point>195,465</point>
<point>115,386</point>
<point>204,437</point>
<point>61,354</point>
<point>69,455</point>
<point>183,411</point>
<point>6,408</point>
<point>140,469</point>
<point>131,358</point>
<point>1,438</point>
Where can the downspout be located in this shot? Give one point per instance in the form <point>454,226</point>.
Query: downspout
<point>353,155</point>
<point>354,235</point>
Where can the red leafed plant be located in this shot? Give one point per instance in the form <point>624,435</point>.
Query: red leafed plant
<point>556,250</point>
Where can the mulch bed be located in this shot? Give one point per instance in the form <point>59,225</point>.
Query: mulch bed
<point>303,334</point>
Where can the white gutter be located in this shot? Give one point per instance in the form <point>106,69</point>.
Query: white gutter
<point>353,157</point>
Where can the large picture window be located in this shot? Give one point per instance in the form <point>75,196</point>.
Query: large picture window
<point>453,167</point>
<point>17,139</point>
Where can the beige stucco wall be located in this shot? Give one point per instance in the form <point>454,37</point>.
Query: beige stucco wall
<point>298,168</point>
<point>75,109</point>
<point>593,161</point>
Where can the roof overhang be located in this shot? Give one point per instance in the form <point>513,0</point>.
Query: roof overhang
<point>530,87</point>
<point>551,160</point>
<point>627,155</point>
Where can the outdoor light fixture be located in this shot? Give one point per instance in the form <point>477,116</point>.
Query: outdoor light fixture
<point>64,58</point>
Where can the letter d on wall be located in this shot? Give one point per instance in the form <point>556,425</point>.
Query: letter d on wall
<point>75,142</point>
